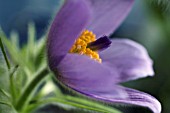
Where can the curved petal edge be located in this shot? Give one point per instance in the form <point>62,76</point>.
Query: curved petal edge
<point>130,59</point>
<point>133,97</point>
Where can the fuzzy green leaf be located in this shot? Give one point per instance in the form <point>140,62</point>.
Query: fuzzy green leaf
<point>5,98</point>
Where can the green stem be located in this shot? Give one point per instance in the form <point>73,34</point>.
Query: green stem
<point>63,101</point>
<point>5,103</point>
<point>4,53</point>
<point>5,93</point>
<point>25,96</point>
<point>12,86</point>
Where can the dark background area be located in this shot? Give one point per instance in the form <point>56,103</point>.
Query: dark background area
<point>148,23</point>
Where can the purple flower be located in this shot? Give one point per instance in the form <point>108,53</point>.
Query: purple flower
<point>75,56</point>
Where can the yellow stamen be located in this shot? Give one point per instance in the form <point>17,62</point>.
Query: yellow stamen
<point>80,46</point>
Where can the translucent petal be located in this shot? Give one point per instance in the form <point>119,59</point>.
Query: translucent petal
<point>128,58</point>
<point>108,15</point>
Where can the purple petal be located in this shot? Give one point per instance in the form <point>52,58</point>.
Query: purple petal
<point>133,97</point>
<point>66,27</point>
<point>81,72</point>
<point>129,58</point>
<point>108,15</point>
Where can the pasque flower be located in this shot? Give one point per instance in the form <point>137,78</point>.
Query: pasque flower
<point>84,59</point>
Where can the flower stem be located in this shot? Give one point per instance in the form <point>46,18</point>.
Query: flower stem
<point>4,54</point>
<point>12,86</point>
<point>25,96</point>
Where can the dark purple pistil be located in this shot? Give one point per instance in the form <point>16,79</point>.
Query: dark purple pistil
<point>100,44</point>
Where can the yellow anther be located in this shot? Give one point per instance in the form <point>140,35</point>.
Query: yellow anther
<point>80,45</point>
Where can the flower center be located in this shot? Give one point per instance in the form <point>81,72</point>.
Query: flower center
<point>87,44</point>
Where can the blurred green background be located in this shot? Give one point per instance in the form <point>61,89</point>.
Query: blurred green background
<point>148,23</point>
